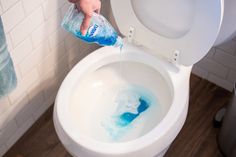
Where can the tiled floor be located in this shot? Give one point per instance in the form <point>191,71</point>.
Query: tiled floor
<point>196,139</point>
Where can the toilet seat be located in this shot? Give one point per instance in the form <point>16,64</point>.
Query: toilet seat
<point>190,46</point>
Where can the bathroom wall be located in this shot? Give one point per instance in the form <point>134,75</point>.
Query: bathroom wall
<point>219,65</point>
<point>42,53</point>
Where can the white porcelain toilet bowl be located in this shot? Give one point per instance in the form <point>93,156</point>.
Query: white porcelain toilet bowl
<point>162,45</point>
<point>78,127</point>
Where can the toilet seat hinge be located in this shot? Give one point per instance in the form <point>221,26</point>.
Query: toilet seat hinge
<point>130,34</point>
<point>175,57</point>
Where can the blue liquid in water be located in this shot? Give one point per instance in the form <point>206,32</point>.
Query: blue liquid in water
<point>127,117</point>
<point>132,106</point>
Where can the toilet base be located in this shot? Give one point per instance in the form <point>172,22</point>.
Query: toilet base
<point>161,154</point>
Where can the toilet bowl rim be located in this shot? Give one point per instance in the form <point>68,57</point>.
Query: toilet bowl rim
<point>99,146</point>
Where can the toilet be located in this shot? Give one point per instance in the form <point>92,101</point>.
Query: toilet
<point>163,39</point>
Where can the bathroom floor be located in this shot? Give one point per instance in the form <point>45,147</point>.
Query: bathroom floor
<point>196,139</point>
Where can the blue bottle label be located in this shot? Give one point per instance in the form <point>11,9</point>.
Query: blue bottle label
<point>93,30</point>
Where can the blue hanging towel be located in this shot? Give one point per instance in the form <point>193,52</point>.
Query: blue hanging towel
<point>8,79</point>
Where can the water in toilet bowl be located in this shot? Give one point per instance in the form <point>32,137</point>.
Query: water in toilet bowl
<point>108,106</point>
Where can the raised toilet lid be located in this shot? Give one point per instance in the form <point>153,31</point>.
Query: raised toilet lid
<point>189,27</point>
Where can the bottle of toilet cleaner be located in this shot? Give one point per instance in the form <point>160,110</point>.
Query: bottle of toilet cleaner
<point>100,31</point>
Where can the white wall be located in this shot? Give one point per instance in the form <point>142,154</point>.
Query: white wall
<point>219,66</point>
<point>43,54</point>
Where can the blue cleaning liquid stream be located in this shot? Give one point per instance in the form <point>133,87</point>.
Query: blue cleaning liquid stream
<point>100,30</point>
